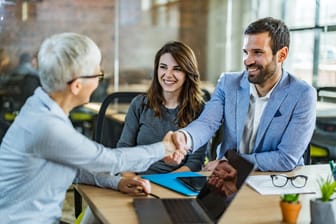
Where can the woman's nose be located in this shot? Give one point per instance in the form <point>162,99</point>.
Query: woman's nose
<point>169,72</point>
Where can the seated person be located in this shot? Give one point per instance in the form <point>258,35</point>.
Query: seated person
<point>268,115</point>
<point>42,154</point>
<point>173,100</point>
<point>21,82</point>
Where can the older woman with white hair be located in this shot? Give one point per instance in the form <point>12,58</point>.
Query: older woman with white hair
<point>42,154</point>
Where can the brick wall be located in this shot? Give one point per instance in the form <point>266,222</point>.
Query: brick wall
<point>92,18</point>
<point>142,31</point>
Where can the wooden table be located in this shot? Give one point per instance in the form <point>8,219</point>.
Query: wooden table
<point>248,207</point>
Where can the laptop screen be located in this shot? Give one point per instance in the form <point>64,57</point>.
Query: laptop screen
<point>223,184</point>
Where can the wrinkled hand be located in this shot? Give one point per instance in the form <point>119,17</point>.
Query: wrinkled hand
<point>174,153</point>
<point>134,186</point>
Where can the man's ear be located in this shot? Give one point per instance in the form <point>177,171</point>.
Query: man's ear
<point>75,87</point>
<point>282,54</point>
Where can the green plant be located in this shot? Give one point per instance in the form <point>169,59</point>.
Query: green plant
<point>290,198</point>
<point>327,188</point>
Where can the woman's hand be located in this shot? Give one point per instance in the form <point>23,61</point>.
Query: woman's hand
<point>134,186</point>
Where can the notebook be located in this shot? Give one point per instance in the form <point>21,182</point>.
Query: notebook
<point>170,181</point>
<point>209,205</point>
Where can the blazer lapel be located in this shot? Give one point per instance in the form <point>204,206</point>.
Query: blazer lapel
<point>277,97</point>
<point>243,99</point>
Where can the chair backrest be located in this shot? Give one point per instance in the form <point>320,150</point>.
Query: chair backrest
<point>306,156</point>
<point>206,95</point>
<point>117,97</point>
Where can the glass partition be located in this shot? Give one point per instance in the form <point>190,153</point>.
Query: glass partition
<point>327,59</point>
<point>129,32</point>
<point>300,58</point>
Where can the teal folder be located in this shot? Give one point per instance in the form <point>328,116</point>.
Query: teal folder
<point>168,180</point>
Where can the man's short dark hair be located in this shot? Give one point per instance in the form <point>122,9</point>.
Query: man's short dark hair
<point>275,28</point>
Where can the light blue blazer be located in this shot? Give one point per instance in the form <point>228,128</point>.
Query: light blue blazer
<point>286,125</point>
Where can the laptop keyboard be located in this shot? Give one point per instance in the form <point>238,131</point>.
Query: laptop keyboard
<point>184,211</point>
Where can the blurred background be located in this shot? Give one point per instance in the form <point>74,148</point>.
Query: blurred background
<point>129,32</point>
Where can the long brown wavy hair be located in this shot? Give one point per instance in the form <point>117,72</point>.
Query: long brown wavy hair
<point>190,99</point>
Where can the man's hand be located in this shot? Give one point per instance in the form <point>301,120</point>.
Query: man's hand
<point>231,154</point>
<point>134,186</point>
<point>224,178</point>
<point>180,140</point>
<point>174,154</point>
<point>210,166</point>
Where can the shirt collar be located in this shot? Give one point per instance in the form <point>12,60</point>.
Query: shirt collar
<point>254,93</point>
<point>49,103</point>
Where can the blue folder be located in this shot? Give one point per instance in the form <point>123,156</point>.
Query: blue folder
<point>168,180</point>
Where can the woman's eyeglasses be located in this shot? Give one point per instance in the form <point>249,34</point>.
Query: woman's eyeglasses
<point>100,76</point>
<point>297,181</point>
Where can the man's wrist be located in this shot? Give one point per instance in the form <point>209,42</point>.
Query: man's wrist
<point>187,139</point>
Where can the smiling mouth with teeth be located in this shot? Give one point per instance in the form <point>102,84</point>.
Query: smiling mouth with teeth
<point>169,81</point>
<point>253,67</point>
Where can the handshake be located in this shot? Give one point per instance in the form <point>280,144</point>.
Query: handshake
<point>176,148</point>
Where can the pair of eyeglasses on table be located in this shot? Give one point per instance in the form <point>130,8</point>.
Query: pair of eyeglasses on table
<point>280,180</point>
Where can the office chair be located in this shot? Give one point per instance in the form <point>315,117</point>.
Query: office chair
<point>108,139</point>
<point>117,97</point>
<point>206,95</point>
<point>306,156</point>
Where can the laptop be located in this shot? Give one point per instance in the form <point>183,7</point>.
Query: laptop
<point>209,205</point>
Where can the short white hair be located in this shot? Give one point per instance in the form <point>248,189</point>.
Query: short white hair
<point>63,57</point>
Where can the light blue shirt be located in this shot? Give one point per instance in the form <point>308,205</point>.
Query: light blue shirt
<point>42,154</point>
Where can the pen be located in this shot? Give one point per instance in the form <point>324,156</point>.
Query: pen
<point>150,194</point>
<point>141,190</point>
<point>153,195</point>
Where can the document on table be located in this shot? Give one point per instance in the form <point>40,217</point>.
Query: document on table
<point>264,186</point>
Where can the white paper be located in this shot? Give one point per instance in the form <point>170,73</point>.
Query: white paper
<point>263,185</point>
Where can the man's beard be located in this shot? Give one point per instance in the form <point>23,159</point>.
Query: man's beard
<point>264,73</point>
